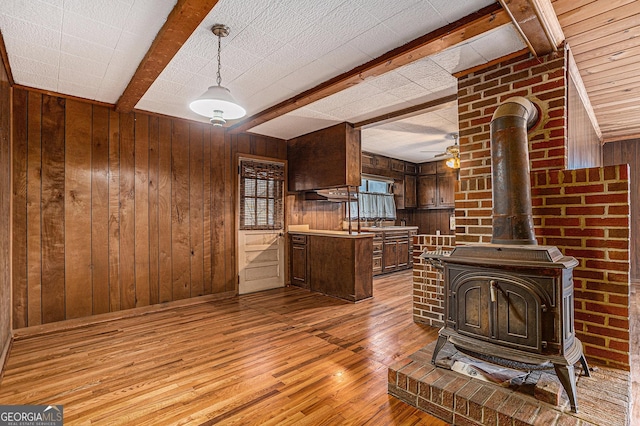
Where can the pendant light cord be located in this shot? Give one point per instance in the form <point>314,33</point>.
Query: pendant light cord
<point>219,79</point>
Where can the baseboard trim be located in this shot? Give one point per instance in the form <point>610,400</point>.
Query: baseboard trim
<point>39,330</point>
<point>5,355</point>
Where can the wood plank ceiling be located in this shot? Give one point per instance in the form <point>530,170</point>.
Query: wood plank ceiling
<point>603,36</point>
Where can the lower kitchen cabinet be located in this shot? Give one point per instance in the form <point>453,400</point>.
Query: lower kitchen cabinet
<point>396,251</point>
<point>333,263</point>
<point>392,249</point>
<point>299,261</point>
<point>377,252</point>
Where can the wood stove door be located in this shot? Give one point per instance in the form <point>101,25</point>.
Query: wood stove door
<point>499,310</point>
<point>517,316</point>
<point>473,303</point>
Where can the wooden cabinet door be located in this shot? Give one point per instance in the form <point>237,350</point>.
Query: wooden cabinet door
<point>397,165</point>
<point>382,162</point>
<point>410,201</point>
<point>446,189</point>
<point>403,253</point>
<point>390,256</point>
<point>399,194</point>
<point>427,191</point>
<point>299,266</point>
<point>368,160</point>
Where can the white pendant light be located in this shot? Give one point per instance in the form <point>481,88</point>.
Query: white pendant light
<point>217,102</point>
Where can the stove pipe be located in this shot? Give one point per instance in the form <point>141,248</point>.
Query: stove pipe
<point>512,215</point>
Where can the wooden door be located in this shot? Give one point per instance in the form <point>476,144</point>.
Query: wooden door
<point>261,225</point>
<point>427,191</point>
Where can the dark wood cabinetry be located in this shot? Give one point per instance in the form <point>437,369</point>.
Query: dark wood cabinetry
<point>395,251</point>
<point>397,165</point>
<point>392,249</point>
<point>436,186</point>
<point>335,264</point>
<point>410,192</point>
<point>378,242</point>
<point>299,261</point>
<point>327,158</point>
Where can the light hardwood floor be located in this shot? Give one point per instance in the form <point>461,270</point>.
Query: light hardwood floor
<point>277,357</point>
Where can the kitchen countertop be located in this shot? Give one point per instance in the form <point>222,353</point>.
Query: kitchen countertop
<point>327,233</point>
<point>388,228</point>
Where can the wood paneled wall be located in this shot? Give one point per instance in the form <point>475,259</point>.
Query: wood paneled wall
<point>114,211</point>
<point>628,152</point>
<point>583,145</point>
<point>428,221</point>
<point>5,214</point>
<point>316,214</point>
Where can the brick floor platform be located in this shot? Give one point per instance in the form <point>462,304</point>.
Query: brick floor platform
<point>603,399</point>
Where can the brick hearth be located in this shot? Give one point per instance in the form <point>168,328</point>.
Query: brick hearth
<point>603,399</point>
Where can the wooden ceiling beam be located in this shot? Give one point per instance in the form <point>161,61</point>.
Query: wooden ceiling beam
<point>429,106</point>
<point>5,60</point>
<point>537,22</point>
<point>483,20</point>
<point>180,24</point>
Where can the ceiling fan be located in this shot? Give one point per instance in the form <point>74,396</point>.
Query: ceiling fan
<point>452,152</point>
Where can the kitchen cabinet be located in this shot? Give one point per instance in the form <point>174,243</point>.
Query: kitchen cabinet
<point>395,251</point>
<point>392,248</point>
<point>404,192</point>
<point>436,186</point>
<point>397,165</point>
<point>427,191</point>
<point>335,263</point>
<point>410,192</point>
<point>327,158</point>
<point>378,241</point>
<point>299,261</point>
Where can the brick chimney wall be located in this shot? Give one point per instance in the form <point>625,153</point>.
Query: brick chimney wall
<point>585,213</point>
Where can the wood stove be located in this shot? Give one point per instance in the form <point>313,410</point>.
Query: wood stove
<point>512,299</point>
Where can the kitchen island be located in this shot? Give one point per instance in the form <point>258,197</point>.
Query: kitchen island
<point>335,263</point>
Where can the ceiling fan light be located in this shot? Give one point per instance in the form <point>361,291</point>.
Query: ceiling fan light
<point>217,98</point>
<point>453,162</point>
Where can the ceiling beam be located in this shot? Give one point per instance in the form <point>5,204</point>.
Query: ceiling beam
<point>180,24</point>
<point>537,23</point>
<point>5,60</point>
<point>430,106</point>
<point>483,20</point>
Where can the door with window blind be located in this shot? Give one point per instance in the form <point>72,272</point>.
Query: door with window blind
<point>261,225</point>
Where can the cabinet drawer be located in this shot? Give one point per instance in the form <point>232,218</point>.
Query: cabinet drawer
<point>377,264</point>
<point>394,235</point>
<point>377,246</point>
<point>299,239</point>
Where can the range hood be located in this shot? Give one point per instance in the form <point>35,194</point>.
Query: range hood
<point>336,195</point>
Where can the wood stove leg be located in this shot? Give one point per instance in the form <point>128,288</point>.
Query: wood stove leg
<point>567,376</point>
<point>439,344</point>
<point>585,366</point>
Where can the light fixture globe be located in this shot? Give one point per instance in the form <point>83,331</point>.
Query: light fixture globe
<point>453,162</point>
<point>217,102</point>
<point>217,98</point>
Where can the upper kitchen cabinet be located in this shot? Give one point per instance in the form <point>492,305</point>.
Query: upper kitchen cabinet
<point>436,186</point>
<point>326,158</point>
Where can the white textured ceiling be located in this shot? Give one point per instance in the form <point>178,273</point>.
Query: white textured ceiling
<point>84,48</point>
<point>276,49</point>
